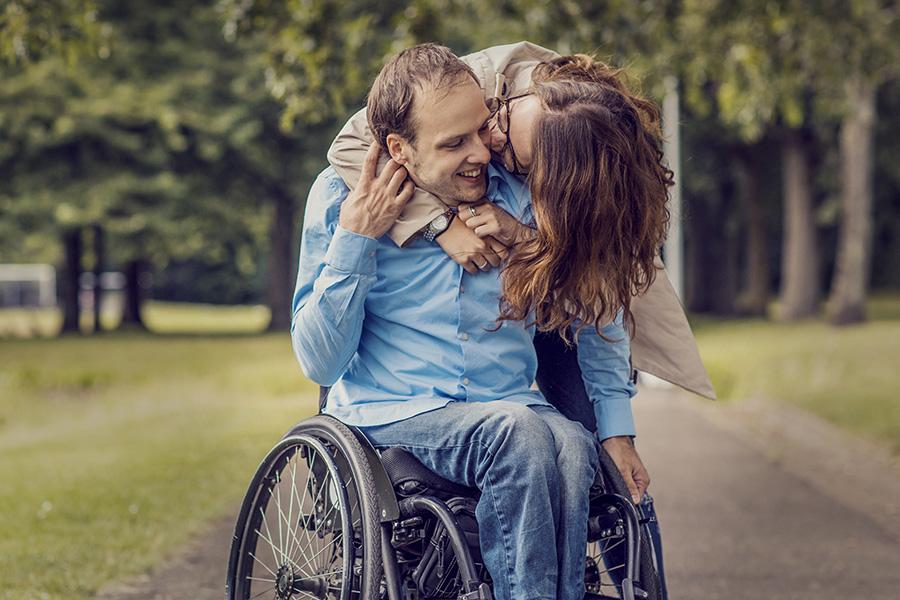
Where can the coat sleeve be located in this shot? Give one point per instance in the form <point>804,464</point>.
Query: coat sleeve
<point>347,154</point>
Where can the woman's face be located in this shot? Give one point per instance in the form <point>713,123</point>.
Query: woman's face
<point>517,118</point>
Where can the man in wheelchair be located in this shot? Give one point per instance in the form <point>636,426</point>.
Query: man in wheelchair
<point>410,346</point>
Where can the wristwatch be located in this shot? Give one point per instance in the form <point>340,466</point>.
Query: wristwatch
<point>438,226</point>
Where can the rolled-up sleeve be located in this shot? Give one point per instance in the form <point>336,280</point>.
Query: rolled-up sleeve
<point>606,370</point>
<point>336,272</point>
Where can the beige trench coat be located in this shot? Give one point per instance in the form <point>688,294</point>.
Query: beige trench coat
<point>663,344</point>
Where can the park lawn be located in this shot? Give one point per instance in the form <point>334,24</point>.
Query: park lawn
<point>849,376</point>
<point>117,449</point>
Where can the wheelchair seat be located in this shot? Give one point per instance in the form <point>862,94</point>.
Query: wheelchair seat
<point>409,476</point>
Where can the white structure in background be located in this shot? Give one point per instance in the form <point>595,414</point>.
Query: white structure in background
<point>673,250</point>
<point>27,286</point>
<point>673,253</point>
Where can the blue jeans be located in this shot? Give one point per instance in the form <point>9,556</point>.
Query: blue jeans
<point>534,468</point>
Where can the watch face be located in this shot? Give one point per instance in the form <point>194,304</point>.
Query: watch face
<point>440,223</point>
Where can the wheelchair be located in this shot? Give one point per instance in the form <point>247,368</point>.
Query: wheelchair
<point>327,516</point>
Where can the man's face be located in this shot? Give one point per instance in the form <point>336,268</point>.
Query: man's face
<point>450,155</point>
<point>514,123</point>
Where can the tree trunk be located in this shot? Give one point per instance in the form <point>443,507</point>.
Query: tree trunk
<point>135,273</point>
<point>282,261</point>
<point>852,266</point>
<point>800,256</point>
<point>755,293</point>
<point>70,281</point>
<point>99,259</point>
<point>724,275</point>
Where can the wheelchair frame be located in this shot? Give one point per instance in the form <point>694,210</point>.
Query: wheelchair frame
<point>381,514</point>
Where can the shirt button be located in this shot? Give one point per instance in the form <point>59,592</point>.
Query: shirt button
<point>465,381</point>
<point>464,337</point>
<point>462,290</point>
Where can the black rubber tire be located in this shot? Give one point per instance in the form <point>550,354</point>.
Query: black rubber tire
<point>649,579</point>
<point>362,501</point>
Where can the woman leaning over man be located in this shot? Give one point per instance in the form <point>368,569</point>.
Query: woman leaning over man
<point>589,149</point>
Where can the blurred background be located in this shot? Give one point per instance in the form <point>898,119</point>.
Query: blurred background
<point>155,158</point>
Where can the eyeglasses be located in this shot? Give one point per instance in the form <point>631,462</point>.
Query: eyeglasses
<point>495,106</point>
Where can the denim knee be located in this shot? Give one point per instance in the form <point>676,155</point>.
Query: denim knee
<point>519,431</point>
<point>578,456</point>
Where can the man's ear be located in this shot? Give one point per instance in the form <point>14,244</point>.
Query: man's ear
<point>398,148</point>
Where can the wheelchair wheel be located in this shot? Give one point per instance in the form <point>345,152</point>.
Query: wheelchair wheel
<point>308,526</point>
<point>608,549</point>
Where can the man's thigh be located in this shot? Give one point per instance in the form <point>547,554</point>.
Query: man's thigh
<point>458,439</point>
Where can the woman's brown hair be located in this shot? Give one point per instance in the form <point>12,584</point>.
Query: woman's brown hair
<point>599,191</point>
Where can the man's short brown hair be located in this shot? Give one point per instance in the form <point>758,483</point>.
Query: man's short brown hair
<point>390,103</point>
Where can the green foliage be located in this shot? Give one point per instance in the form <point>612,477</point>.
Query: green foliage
<point>172,143</point>
<point>758,65</point>
<point>31,29</point>
<point>323,54</point>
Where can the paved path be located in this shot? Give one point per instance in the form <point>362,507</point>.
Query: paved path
<point>754,503</point>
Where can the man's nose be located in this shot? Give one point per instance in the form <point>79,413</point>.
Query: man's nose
<point>481,154</point>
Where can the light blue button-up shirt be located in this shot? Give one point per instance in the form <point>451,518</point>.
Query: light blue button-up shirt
<point>397,331</point>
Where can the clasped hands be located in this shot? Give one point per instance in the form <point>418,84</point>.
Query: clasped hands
<point>480,235</point>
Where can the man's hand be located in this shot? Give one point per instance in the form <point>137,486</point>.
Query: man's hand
<point>373,207</point>
<point>469,250</point>
<point>488,219</point>
<point>621,449</point>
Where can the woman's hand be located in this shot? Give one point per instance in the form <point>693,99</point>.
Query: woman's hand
<point>621,449</point>
<point>488,219</point>
<point>469,250</point>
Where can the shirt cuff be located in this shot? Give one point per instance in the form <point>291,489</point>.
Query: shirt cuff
<point>614,417</point>
<point>351,252</point>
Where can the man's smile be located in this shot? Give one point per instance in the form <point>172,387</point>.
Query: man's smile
<point>471,175</point>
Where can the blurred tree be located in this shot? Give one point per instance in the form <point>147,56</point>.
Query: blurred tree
<point>797,68</point>
<point>32,29</point>
<point>171,144</point>
<point>860,51</point>
<point>751,62</point>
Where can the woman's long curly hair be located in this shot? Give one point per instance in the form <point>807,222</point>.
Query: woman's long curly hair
<point>599,191</point>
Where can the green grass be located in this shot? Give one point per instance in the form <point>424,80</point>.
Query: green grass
<point>116,449</point>
<point>160,317</point>
<point>849,375</point>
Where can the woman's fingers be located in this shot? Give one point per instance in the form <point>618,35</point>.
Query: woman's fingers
<point>406,191</point>
<point>486,230</point>
<point>370,164</point>
<point>398,176</point>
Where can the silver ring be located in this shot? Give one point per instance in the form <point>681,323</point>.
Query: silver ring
<point>482,266</point>
<point>472,211</point>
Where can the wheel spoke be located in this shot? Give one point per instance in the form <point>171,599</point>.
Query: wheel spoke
<point>315,536</point>
<point>262,511</point>
<point>262,592</point>
<point>263,564</point>
<point>293,465</point>
<point>306,487</point>
<point>312,559</point>
<point>287,560</point>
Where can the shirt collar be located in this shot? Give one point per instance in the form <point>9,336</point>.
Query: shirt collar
<point>504,188</point>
